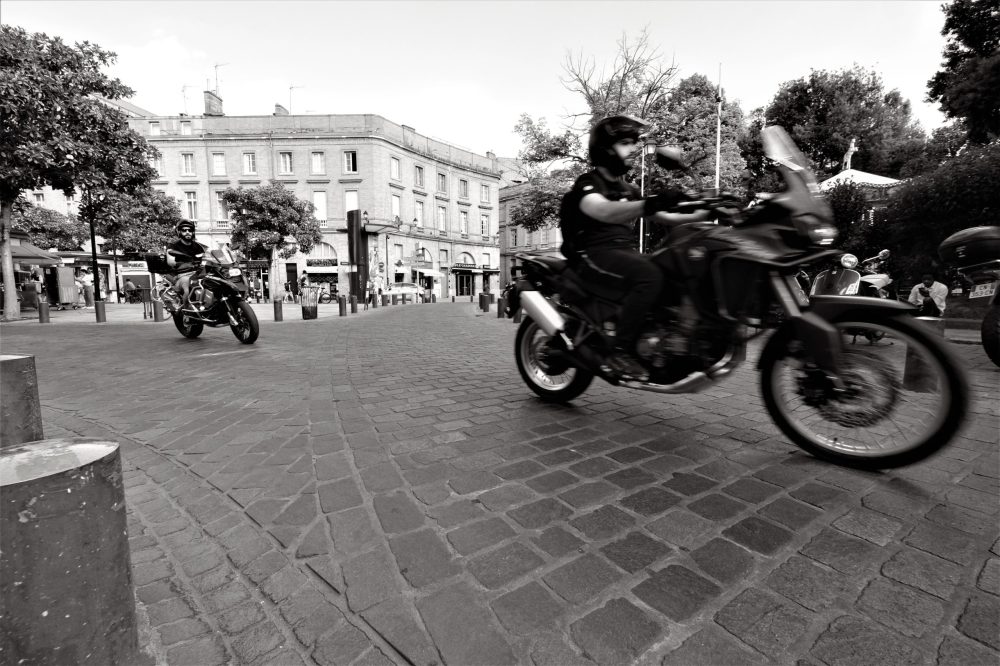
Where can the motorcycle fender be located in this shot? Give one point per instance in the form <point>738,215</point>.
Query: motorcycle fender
<point>829,307</point>
<point>226,283</point>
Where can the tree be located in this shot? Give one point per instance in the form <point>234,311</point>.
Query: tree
<point>824,111</point>
<point>133,223</point>
<point>967,85</point>
<point>48,228</point>
<point>848,204</point>
<point>265,217</point>
<point>56,132</point>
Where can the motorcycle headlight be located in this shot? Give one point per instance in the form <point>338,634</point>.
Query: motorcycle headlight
<point>233,272</point>
<point>822,234</point>
<point>848,261</point>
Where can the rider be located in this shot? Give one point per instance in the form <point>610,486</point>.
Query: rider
<point>193,251</point>
<point>597,218</point>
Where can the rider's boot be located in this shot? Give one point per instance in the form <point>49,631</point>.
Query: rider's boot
<point>622,363</point>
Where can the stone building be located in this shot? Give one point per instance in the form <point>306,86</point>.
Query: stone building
<point>515,239</point>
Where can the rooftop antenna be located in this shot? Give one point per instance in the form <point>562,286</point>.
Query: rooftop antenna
<point>290,89</point>
<point>217,66</point>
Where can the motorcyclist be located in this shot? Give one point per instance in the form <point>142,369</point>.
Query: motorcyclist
<point>193,252</point>
<point>597,217</point>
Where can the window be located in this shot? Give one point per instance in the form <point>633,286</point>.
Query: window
<point>513,236</point>
<point>442,183</point>
<point>319,203</point>
<point>154,129</point>
<point>218,164</point>
<point>463,189</point>
<point>350,200</point>
<point>285,162</point>
<point>187,164</point>
<point>221,212</point>
<point>418,213</point>
<point>393,168</point>
<point>397,252</point>
<point>70,198</point>
<point>39,198</point>
<point>418,176</point>
<point>191,199</point>
<point>444,257</point>
<point>250,164</point>
<point>318,162</point>
<point>442,218</point>
<point>350,161</point>
<point>157,164</point>
<point>544,233</point>
<point>396,201</point>
<point>185,128</point>
<point>484,193</point>
<point>486,259</point>
<point>463,221</point>
<point>484,224</point>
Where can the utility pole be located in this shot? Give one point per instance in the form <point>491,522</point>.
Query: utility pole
<point>718,131</point>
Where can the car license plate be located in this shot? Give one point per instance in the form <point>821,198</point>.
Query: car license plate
<point>983,290</point>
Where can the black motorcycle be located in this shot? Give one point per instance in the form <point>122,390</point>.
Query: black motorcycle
<point>975,253</point>
<point>216,294</point>
<point>867,407</point>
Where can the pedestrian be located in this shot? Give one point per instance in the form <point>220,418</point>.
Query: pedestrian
<point>929,295</point>
<point>130,288</point>
<point>256,286</point>
<point>87,280</point>
<point>303,283</point>
<point>369,293</point>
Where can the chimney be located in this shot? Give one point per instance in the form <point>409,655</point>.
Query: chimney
<point>213,104</point>
<point>280,110</point>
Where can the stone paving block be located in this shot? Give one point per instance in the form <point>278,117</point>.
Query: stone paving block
<point>763,621</point>
<point>397,513</point>
<point>541,513</point>
<point>370,579</point>
<point>552,649</point>
<point>397,622</point>
<point>581,579</point>
<point>954,517</point>
<point>455,513</point>
<point>519,470</point>
<point>207,651</point>
<point>790,513</point>
<point>479,535</point>
<point>923,571</point>
<point>557,542</point>
<point>381,477</point>
<point>632,477</point>
<point>899,607</point>
<point>301,511</point>
<point>989,577</point>
<point>236,618</point>
<point>339,495</point>
<point>723,560</point>
<point>716,507</point>
<point>616,633</point>
<point>950,544</point>
<point>506,497</point>
<point>353,531</point>
<point>712,647</point>
<point>462,628</point>
<point>422,558</point>
<point>721,469</point>
<point>975,500</point>
<point>980,620</point>
<point>473,482</point>
<point>810,585</point>
<point>183,630</point>
<point>751,490</point>
<point>588,494</point>
<point>143,574</point>
<point>558,457</point>
<point>782,475</point>
<point>264,566</point>
<point>681,528</point>
<point>689,484</point>
<point>895,504</point>
<point>500,567</point>
<point>963,652</point>
<point>636,551</point>
<point>593,467</point>
<point>603,523</point>
<point>528,609</point>
<point>650,501</point>
<point>328,569</point>
<point>225,596</point>
<point>676,592</point>
<point>850,641</point>
<point>257,641</point>
<point>211,580</point>
<point>821,495</point>
<point>758,535</point>
<point>156,591</point>
<point>630,455</point>
<point>842,552</point>
<point>341,646</point>
<point>869,525</point>
<point>168,610</point>
<point>551,482</point>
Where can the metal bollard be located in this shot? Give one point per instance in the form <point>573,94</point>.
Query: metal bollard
<point>102,317</point>
<point>278,314</point>
<point>354,304</point>
<point>434,298</point>
<point>43,313</point>
<point>385,300</point>
<point>65,577</point>
<point>20,411</point>
<point>342,305</point>
<point>916,375</point>
<point>452,299</point>
<point>157,311</point>
<point>395,299</point>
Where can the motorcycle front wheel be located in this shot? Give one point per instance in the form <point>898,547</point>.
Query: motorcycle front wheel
<point>246,328</point>
<point>905,397</point>
<point>551,378</point>
<point>188,328</point>
<point>990,334</point>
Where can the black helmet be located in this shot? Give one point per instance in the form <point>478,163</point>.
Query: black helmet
<point>608,132</point>
<point>184,224</point>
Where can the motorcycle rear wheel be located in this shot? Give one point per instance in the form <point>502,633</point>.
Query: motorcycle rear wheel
<point>990,334</point>
<point>247,328</point>
<point>907,396</point>
<point>189,329</point>
<point>551,380</point>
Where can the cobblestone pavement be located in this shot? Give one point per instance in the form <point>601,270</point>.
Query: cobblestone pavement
<point>383,489</point>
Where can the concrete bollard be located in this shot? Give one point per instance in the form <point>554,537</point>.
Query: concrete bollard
<point>385,300</point>
<point>493,298</point>
<point>342,304</point>
<point>354,304</point>
<point>434,298</point>
<point>278,314</point>
<point>20,411</point>
<point>99,312</point>
<point>65,575</point>
<point>395,299</point>
<point>916,375</point>
<point>43,313</point>
<point>157,311</point>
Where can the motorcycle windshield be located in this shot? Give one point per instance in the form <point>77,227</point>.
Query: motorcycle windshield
<point>779,147</point>
<point>802,195</point>
<point>224,255</point>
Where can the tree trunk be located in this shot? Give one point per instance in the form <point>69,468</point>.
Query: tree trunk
<point>11,308</point>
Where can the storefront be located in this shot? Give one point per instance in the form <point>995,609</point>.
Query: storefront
<point>29,262</point>
<point>468,278</point>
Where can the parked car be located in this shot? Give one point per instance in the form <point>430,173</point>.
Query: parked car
<point>405,288</point>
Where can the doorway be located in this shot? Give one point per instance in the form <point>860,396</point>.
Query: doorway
<point>463,284</point>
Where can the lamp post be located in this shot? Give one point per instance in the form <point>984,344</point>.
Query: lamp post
<point>98,299</point>
<point>647,149</point>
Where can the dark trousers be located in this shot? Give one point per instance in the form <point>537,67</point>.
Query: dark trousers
<point>642,279</point>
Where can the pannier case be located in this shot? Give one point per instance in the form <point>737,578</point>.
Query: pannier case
<point>157,263</point>
<point>970,247</point>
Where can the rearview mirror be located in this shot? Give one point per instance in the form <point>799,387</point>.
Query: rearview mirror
<point>884,254</point>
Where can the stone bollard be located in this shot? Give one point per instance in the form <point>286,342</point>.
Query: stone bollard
<point>434,298</point>
<point>354,304</point>
<point>385,300</point>
<point>20,411</point>
<point>395,299</point>
<point>43,313</point>
<point>157,311</point>
<point>342,304</point>
<point>278,314</point>
<point>99,312</point>
<point>493,298</point>
<point>452,299</point>
<point>501,305</point>
<point>916,375</point>
<point>65,576</point>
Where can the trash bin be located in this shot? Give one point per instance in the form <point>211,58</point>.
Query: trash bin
<point>309,298</point>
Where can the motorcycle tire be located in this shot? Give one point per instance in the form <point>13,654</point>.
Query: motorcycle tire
<point>188,330</point>
<point>990,333</point>
<point>859,428</point>
<point>540,375</point>
<point>247,328</point>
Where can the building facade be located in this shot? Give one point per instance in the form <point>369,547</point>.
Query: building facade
<point>430,209</point>
<point>515,239</point>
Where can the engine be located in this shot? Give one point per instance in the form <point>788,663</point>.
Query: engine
<point>202,298</point>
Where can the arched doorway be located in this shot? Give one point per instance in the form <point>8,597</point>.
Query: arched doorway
<point>323,266</point>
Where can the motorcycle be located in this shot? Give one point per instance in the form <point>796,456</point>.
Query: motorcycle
<point>975,253</point>
<point>842,279</point>
<point>853,407</point>
<point>216,294</point>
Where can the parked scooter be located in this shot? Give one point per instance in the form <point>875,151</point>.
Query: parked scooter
<point>842,279</point>
<point>874,281</point>
<point>975,253</point>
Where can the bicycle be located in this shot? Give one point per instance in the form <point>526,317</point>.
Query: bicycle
<point>325,296</point>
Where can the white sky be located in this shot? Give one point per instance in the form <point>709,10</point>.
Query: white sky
<point>464,72</point>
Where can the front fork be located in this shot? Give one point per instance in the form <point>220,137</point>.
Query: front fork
<point>822,339</point>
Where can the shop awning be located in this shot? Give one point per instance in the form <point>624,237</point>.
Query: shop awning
<point>26,253</point>
<point>429,271</point>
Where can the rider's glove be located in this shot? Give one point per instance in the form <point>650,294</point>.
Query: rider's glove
<point>663,201</point>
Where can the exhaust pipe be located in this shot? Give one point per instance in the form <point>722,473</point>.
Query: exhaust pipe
<point>539,309</point>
